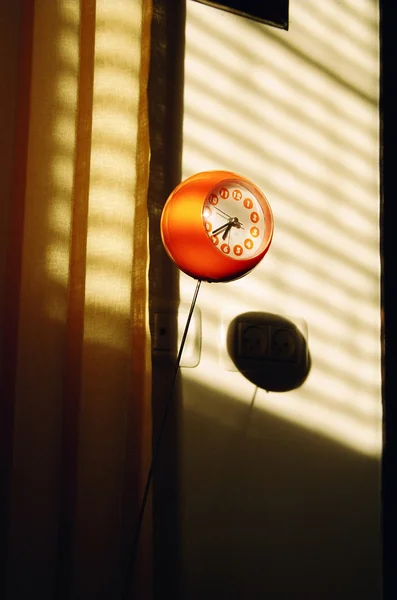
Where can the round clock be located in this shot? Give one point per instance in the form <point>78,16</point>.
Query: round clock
<point>216,226</point>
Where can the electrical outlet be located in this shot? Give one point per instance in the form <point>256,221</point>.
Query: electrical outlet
<point>269,349</point>
<point>283,343</point>
<point>168,325</point>
<point>252,340</point>
<point>262,340</point>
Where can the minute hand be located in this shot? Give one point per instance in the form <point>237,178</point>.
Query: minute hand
<point>228,228</point>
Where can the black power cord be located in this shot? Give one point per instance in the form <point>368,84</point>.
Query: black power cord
<point>135,542</point>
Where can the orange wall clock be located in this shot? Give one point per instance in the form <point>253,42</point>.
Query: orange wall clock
<point>216,226</point>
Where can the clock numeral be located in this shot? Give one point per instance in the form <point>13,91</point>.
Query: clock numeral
<point>248,203</point>
<point>249,244</point>
<point>207,212</point>
<point>254,231</point>
<point>214,199</point>
<point>208,226</point>
<point>238,250</point>
<point>215,239</point>
<point>225,248</point>
<point>237,195</point>
<point>254,217</point>
<point>224,193</point>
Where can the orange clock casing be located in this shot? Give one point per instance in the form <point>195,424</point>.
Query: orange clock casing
<point>185,237</point>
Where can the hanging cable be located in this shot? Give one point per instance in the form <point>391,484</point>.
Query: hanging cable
<point>156,448</point>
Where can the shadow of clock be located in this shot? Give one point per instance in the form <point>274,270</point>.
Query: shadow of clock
<point>270,350</point>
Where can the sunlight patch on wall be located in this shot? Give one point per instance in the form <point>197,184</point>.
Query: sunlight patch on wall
<point>356,429</point>
<point>333,47</point>
<point>299,117</point>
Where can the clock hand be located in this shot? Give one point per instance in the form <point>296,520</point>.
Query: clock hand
<point>221,228</point>
<point>223,213</point>
<point>237,223</point>
<point>227,230</point>
<point>233,222</point>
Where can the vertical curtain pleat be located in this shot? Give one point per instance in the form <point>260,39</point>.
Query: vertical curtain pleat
<point>76,342</point>
<point>11,284</point>
<point>76,296</point>
<point>139,440</point>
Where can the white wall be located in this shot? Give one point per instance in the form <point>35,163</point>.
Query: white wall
<point>280,493</point>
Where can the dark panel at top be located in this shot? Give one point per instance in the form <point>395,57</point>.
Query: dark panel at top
<point>271,12</point>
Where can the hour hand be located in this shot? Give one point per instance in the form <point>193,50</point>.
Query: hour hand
<point>221,228</point>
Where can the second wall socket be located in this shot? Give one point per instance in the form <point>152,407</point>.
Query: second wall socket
<point>259,338</point>
<point>257,341</point>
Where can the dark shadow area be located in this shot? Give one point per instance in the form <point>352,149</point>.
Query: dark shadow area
<point>165,94</point>
<point>269,350</point>
<point>10,69</point>
<point>271,12</point>
<point>272,510</point>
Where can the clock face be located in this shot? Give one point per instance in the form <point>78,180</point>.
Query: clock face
<point>234,220</point>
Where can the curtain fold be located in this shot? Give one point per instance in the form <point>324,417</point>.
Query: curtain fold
<point>76,372</point>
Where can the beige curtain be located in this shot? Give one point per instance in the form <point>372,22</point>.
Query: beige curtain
<point>76,376</point>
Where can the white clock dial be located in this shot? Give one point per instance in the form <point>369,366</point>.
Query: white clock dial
<point>234,220</point>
